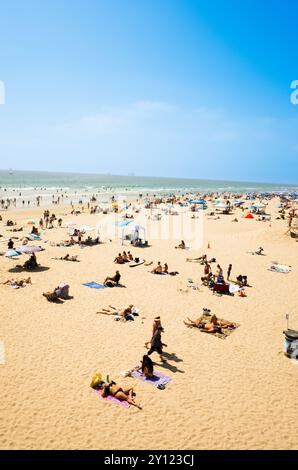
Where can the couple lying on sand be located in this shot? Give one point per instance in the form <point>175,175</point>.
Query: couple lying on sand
<point>213,326</point>
<point>68,258</point>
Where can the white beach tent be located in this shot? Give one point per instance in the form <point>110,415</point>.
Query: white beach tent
<point>133,232</point>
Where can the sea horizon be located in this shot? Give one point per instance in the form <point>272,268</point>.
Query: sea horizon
<point>21,179</point>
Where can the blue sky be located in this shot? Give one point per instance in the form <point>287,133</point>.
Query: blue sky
<point>159,88</point>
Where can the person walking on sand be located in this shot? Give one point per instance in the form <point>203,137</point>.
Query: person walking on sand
<point>229,272</point>
<point>156,324</point>
<point>157,344</point>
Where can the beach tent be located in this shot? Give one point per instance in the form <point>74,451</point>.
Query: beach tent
<point>249,216</point>
<point>133,232</point>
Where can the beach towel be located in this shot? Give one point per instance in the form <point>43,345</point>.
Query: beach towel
<point>94,285</point>
<point>114,400</point>
<point>157,379</point>
<point>280,268</point>
<point>225,332</point>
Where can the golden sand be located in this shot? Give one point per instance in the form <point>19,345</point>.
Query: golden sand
<point>238,393</point>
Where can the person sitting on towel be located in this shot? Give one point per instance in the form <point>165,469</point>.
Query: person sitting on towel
<point>181,245</point>
<point>114,280</point>
<point>119,259</point>
<point>125,257</point>
<point>242,280</point>
<point>147,367</point>
<point>31,263</point>
<point>130,257</point>
<point>158,269</point>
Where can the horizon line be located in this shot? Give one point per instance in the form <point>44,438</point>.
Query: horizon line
<point>146,176</point>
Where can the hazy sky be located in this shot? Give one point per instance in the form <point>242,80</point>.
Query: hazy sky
<point>158,87</point>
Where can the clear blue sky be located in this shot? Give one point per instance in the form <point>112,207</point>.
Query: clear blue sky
<point>158,87</point>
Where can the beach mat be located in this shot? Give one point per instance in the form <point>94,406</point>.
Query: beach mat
<point>157,379</point>
<point>114,400</point>
<point>94,285</point>
<point>205,318</point>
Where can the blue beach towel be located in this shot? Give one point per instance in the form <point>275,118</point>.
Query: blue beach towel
<point>94,285</point>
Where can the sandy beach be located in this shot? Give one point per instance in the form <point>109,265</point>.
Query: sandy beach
<point>237,393</point>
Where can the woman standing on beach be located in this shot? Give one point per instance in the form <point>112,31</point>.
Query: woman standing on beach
<point>156,324</point>
<point>156,343</point>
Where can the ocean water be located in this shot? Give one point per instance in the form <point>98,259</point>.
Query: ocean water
<point>137,184</point>
<point>70,188</point>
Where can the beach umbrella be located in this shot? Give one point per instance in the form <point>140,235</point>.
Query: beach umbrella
<point>29,249</point>
<point>12,253</point>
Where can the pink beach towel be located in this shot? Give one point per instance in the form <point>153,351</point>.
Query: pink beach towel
<point>124,404</point>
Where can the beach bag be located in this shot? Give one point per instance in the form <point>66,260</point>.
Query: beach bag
<point>96,379</point>
<point>137,260</point>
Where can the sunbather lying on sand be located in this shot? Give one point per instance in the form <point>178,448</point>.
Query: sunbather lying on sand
<point>120,311</point>
<point>18,282</point>
<point>122,394</point>
<point>212,327</point>
<point>68,258</point>
<point>202,259</point>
